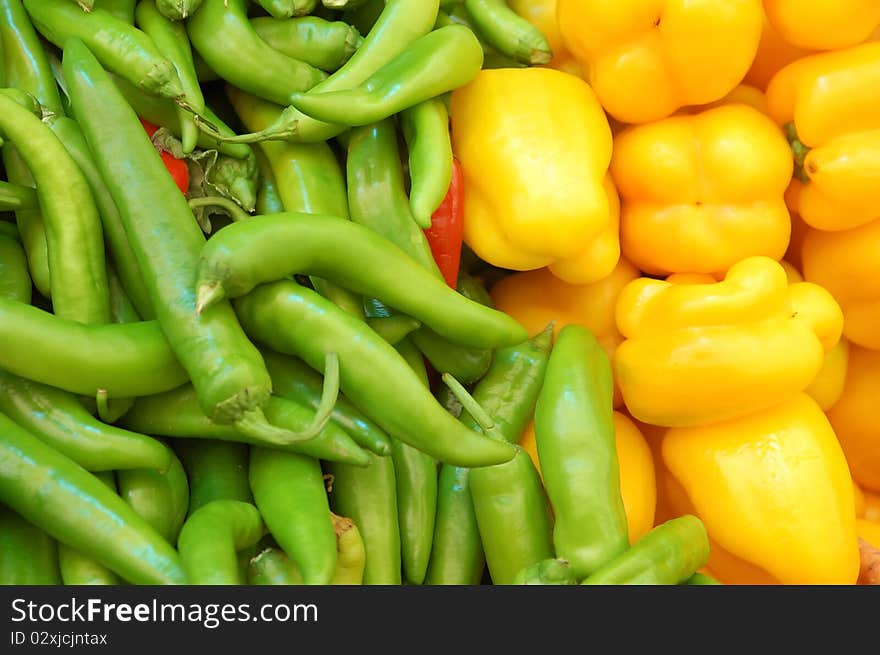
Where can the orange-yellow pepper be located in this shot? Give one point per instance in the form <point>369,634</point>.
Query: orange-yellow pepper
<point>648,58</point>
<point>869,531</point>
<point>542,14</point>
<point>854,417</point>
<point>871,511</point>
<point>847,263</point>
<point>774,492</point>
<point>828,104</point>
<point>774,54</point>
<point>534,147</point>
<point>697,353</point>
<point>638,486</point>
<point>823,24</point>
<point>701,192</point>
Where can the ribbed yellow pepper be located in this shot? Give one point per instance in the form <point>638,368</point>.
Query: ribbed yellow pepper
<point>638,486</point>
<point>847,263</point>
<point>697,353</point>
<point>854,417</point>
<point>648,58</point>
<point>823,24</point>
<point>534,147</point>
<point>701,192</point>
<point>774,54</point>
<point>774,492</point>
<point>828,104</point>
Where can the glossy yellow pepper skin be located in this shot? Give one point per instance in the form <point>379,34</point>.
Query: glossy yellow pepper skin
<point>638,484</point>
<point>701,210</point>
<point>823,24</point>
<point>648,58</point>
<point>847,263</point>
<point>534,147</point>
<point>854,417</point>
<point>697,353</point>
<point>774,492</point>
<point>774,54</point>
<point>828,103</point>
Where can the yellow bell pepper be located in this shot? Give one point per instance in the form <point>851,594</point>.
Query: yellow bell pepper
<point>823,24</point>
<point>648,58</point>
<point>774,54</point>
<point>869,531</point>
<point>698,353</point>
<point>847,263</point>
<point>638,486</point>
<point>689,203</point>
<point>871,511</point>
<point>774,492</point>
<point>854,417</point>
<point>828,105</point>
<point>534,147</point>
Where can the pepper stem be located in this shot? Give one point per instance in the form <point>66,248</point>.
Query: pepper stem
<point>798,150</point>
<point>235,212</point>
<point>208,294</point>
<point>286,126</point>
<point>107,412</point>
<point>471,406</point>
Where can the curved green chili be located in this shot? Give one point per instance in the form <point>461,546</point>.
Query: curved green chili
<point>76,508</point>
<point>78,277</point>
<point>211,537</point>
<point>172,42</point>
<point>509,33</point>
<point>216,470</point>
<point>546,572</point>
<point>324,44</point>
<point>271,566</point>
<point>177,413</point>
<point>120,47</point>
<point>292,319</point>
<point>28,556</point>
<point>368,496</point>
<point>290,494</point>
<point>507,393</point>
<point>178,9</point>
<point>159,497</point>
<point>15,282</point>
<point>574,433</point>
<point>668,554</point>
<point>245,254</point>
<point>393,329</point>
<point>425,127</point>
<point>222,35</point>
<point>268,200</point>
<point>226,369</point>
<point>14,197</point>
<point>295,380</point>
<point>436,63</point>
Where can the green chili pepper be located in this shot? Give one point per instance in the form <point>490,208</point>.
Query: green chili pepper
<point>216,470</point>
<point>119,249</point>
<point>322,43</point>
<point>243,255</point>
<point>15,283</point>
<point>76,508</point>
<point>268,200</point>
<point>273,567</point>
<point>211,537</point>
<point>292,319</point>
<point>287,8</point>
<point>425,127</point>
<point>78,569</point>
<point>222,35</point>
<point>122,310</point>
<point>400,23</point>
<point>440,61</point>
<point>289,491</point>
<point>177,413</point>
<point>668,554</point>
<point>178,9</point>
<point>159,497</point>
<point>124,360</point>
<point>120,9</point>
<point>78,277</point>
<point>309,180</point>
<point>59,420</point>
<point>28,556</point>
<point>393,329</point>
<point>295,380</point>
<point>225,367</point>
<point>574,433</point>
<point>172,42</point>
<point>546,572</point>
<point>508,32</point>
<point>120,47</point>
<point>368,496</point>
<point>14,197</point>
<point>701,579</point>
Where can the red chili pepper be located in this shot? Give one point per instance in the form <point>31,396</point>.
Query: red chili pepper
<point>176,167</point>
<point>445,234</point>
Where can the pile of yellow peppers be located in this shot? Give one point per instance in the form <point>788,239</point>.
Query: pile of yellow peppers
<point>699,185</point>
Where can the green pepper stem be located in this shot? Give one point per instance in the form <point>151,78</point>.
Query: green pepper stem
<point>208,294</point>
<point>285,127</point>
<point>254,424</point>
<point>235,211</point>
<point>469,403</point>
<point>107,411</point>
